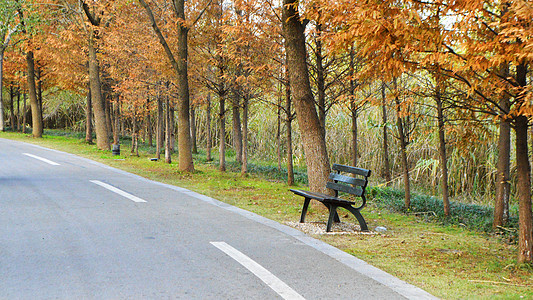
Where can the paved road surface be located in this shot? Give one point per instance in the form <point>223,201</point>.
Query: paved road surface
<point>71,228</point>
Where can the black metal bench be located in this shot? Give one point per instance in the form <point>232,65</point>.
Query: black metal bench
<point>355,184</point>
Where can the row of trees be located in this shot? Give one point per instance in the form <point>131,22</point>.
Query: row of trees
<point>460,62</point>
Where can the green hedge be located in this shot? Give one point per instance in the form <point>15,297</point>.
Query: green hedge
<point>472,216</point>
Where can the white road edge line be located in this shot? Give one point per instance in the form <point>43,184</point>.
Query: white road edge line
<point>42,159</point>
<point>285,291</point>
<point>118,191</point>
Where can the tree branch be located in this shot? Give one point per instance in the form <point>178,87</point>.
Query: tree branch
<point>162,40</point>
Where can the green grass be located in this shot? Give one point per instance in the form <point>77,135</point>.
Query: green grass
<point>451,259</point>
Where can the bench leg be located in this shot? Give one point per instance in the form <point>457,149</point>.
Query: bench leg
<point>332,214</point>
<point>304,210</point>
<point>358,216</point>
<point>336,216</point>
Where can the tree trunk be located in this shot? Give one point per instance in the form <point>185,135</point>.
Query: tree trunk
<point>18,109</point>
<point>442,149</point>
<point>88,118</point>
<point>24,114</point>
<point>320,80</point>
<point>172,118</point>
<point>148,123</point>
<point>184,127</point>
<point>244,166</point>
<point>116,108</point>
<point>12,102</point>
<point>222,134</point>
<point>2,117</point>
<point>168,133</point>
<point>160,129</point>
<point>237,132</point>
<point>523,170</point>
<point>134,133</point>
<point>102,133</point>
<point>193,130</point>
<point>355,146</point>
<point>2,121</point>
<point>278,133</point>
<point>39,91</point>
<point>209,137</point>
<point>386,163</point>
<point>108,119</point>
<point>317,160</point>
<point>525,233</point>
<point>403,150</point>
<point>503,174</point>
<point>37,122</point>
<point>353,109</point>
<point>288,124</point>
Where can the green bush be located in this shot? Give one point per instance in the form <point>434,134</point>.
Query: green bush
<point>472,216</point>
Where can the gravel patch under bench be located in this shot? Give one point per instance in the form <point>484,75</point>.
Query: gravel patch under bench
<point>336,229</point>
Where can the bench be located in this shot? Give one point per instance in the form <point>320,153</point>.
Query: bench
<point>354,183</point>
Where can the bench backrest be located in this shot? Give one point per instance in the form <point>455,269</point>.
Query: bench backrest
<point>355,183</point>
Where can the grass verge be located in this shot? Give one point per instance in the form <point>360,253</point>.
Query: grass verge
<point>449,261</point>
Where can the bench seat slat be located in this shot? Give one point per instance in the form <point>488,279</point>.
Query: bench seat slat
<point>321,197</point>
<point>347,179</point>
<point>358,191</point>
<point>312,195</point>
<point>349,169</point>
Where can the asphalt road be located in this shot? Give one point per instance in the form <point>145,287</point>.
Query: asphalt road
<point>71,228</point>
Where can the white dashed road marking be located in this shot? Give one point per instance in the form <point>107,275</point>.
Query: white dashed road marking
<point>270,279</point>
<point>42,159</point>
<point>118,191</point>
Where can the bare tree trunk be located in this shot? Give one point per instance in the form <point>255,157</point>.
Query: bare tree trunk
<point>12,122</point>
<point>148,120</point>
<point>18,109</point>
<point>320,79</point>
<point>244,166</point>
<point>523,170</point>
<point>403,150</point>
<point>209,137</point>
<point>116,106</point>
<point>193,130</point>
<point>168,133</point>
<point>88,118</point>
<point>278,134</point>
<point>172,130</point>
<point>237,132</point>
<point>102,133</point>
<point>160,129</point>
<point>134,133</point>
<point>185,161</point>
<point>37,122</point>
<point>24,115</point>
<point>288,124</point>
<point>525,233</point>
<point>2,121</point>
<point>503,176</point>
<point>355,146</point>
<point>108,121</point>
<point>317,159</point>
<point>39,91</point>
<point>442,148</point>
<point>386,163</point>
<point>222,134</point>
<point>503,184</point>
<point>353,109</point>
